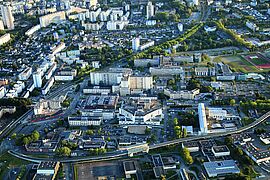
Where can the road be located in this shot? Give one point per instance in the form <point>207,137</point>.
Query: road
<point>123,154</point>
<point>10,126</point>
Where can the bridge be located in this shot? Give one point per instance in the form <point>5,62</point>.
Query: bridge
<point>124,153</point>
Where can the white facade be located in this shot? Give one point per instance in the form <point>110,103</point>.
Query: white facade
<point>32,30</point>
<point>37,78</point>
<point>146,45</point>
<point>84,121</point>
<point>135,44</point>
<point>4,39</point>
<point>150,10</point>
<point>7,17</point>
<point>217,113</point>
<point>2,92</point>
<point>52,18</point>
<point>51,70</point>
<point>180,27</point>
<point>48,86</point>
<point>202,119</point>
<point>252,26</point>
<point>184,94</point>
<point>25,74</point>
<point>63,77</point>
<point>1,25</point>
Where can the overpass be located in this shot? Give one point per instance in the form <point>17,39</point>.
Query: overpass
<point>124,153</point>
<point>214,135</point>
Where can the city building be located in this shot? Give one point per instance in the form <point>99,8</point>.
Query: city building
<point>111,77</point>
<point>25,74</point>
<point>4,39</point>
<point>150,10</point>
<point>47,170</point>
<point>192,146</point>
<point>48,86</point>
<point>129,168</point>
<point>265,138</point>
<point>220,151</point>
<point>182,94</point>
<point>84,121</point>
<point>56,17</point>
<point>2,27</point>
<point>135,44</point>
<point>7,109</point>
<point>140,112</point>
<point>3,91</point>
<point>7,17</point>
<point>252,26</point>
<point>37,78</point>
<point>220,168</point>
<point>32,30</point>
<point>202,119</point>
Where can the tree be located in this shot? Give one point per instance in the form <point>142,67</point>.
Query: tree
<point>239,151</point>
<point>26,141</point>
<point>147,130</point>
<point>63,151</point>
<point>175,121</point>
<point>186,156</point>
<point>232,102</point>
<point>13,136</point>
<point>35,136</point>
<point>184,132</point>
<point>229,140</point>
<point>90,132</point>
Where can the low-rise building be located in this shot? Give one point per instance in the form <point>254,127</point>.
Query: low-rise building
<point>220,168</point>
<point>25,74</point>
<point>4,39</point>
<point>220,151</point>
<point>84,121</point>
<point>182,94</point>
<point>47,170</point>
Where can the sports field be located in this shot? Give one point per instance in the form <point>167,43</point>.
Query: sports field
<point>245,63</point>
<point>258,60</point>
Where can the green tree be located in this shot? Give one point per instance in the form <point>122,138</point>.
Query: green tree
<point>63,151</point>
<point>232,102</point>
<point>90,132</point>
<point>184,132</point>
<point>186,156</point>
<point>13,136</point>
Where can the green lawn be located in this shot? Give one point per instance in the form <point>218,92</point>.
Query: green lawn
<point>8,161</point>
<point>238,64</point>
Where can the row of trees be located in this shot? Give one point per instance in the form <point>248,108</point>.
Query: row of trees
<point>234,35</point>
<point>97,151</point>
<point>160,49</point>
<point>33,137</point>
<point>258,104</point>
<point>179,132</point>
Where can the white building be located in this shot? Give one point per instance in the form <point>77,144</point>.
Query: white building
<point>37,78</point>
<point>252,26</point>
<point>146,45</point>
<point>150,10</point>
<point>25,74</point>
<point>32,30</point>
<point>48,86</point>
<point>217,113</point>
<point>84,121</point>
<point>2,92</point>
<point>180,27</point>
<point>135,44</point>
<point>51,70</point>
<point>4,39</point>
<point>56,17</point>
<point>7,17</point>
<point>2,27</point>
<point>202,119</point>
<point>111,77</point>
<point>183,94</point>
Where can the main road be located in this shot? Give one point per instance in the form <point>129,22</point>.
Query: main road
<point>123,154</point>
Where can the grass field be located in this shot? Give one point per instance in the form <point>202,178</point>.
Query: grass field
<point>239,64</point>
<point>8,161</point>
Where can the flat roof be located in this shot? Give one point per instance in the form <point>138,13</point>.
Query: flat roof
<point>129,166</point>
<point>219,149</point>
<point>221,168</point>
<point>157,160</point>
<point>47,165</point>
